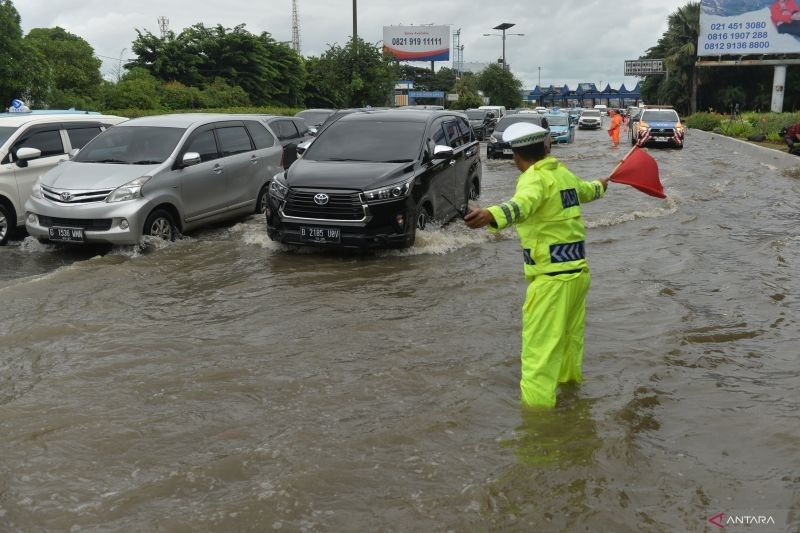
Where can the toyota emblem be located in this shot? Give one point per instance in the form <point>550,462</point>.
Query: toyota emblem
<point>321,199</point>
<point>65,196</point>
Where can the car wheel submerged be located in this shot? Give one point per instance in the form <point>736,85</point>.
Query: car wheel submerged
<point>160,224</point>
<point>423,217</point>
<point>5,224</point>
<point>261,201</point>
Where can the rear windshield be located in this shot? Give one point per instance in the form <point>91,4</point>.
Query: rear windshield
<point>5,133</point>
<point>374,141</point>
<point>557,120</point>
<point>314,118</point>
<point>476,115</point>
<point>131,145</point>
<point>505,122</point>
<point>666,115</point>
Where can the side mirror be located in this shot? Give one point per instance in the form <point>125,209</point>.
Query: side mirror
<point>312,132</point>
<point>190,159</point>
<point>441,151</point>
<point>303,146</point>
<point>26,154</point>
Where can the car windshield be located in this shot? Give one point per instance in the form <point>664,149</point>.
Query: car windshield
<point>666,115</point>
<point>557,120</point>
<point>314,118</point>
<point>5,133</point>
<point>375,141</point>
<point>131,145</point>
<point>507,121</point>
<point>591,113</point>
<point>476,115</point>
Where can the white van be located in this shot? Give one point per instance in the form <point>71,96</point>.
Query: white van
<point>602,108</point>
<point>498,110</point>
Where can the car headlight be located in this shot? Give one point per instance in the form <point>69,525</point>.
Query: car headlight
<point>493,139</point>
<point>389,193</point>
<point>129,191</point>
<point>36,191</point>
<point>277,189</point>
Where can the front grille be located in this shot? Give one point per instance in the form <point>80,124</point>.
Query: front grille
<point>341,205</point>
<point>75,196</point>
<point>662,132</point>
<point>93,224</point>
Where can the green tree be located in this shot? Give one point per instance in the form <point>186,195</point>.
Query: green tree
<point>467,90</point>
<point>23,70</point>
<point>175,95</point>
<point>219,94</point>
<point>501,86</point>
<point>75,71</point>
<point>137,89</point>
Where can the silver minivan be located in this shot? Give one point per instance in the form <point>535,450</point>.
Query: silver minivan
<point>156,176</point>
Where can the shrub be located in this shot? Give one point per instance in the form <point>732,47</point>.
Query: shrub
<point>175,95</point>
<point>737,128</point>
<point>704,121</point>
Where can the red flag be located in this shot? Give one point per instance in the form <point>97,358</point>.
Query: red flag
<point>639,170</point>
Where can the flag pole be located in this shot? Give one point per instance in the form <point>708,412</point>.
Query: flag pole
<point>623,160</point>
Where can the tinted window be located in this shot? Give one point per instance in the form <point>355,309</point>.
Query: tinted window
<point>205,145</point>
<point>508,120</point>
<point>301,126</point>
<point>453,133</point>
<point>372,140</point>
<point>78,137</point>
<point>660,116</point>
<point>437,134</point>
<point>285,129</point>
<point>142,145</point>
<point>466,133</point>
<point>233,140</point>
<point>49,142</point>
<point>262,138</point>
<point>5,133</point>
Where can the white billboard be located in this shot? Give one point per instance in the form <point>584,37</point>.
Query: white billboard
<point>417,43</point>
<point>739,27</point>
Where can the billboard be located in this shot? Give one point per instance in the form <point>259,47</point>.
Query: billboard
<point>744,27</point>
<point>417,43</point>
<point>643,67</point>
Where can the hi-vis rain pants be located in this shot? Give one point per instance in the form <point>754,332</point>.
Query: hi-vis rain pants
<point>552,335</point>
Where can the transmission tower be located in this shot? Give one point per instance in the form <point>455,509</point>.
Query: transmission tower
<point>163,25</point>
<point>295,28</point>
<point>458,53</point>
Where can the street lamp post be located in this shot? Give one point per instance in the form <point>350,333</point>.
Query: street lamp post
<point>540,77</point>
<point>503,27</point>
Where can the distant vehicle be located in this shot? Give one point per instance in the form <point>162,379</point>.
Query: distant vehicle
<point>374,179</point>
<point>290,131</point>
<point>590,119</point>
<point>482,122</point>
<point>541,109</point>
<point>423,107</point>
<point>31,143</point>
<point>497,148</point>
<point>633,111</point>
<point>156,176</point>
<point>562,130</point>
<point>602,108</point>
<point>314,118</point>
<point>659,126</point>
<point>498,110</point>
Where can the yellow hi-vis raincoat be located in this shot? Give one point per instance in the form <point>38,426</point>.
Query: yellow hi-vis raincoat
<point>546,210</point>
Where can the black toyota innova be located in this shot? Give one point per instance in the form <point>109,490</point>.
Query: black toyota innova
<point>373,179</point>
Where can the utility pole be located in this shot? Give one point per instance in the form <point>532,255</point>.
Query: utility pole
<point>540,77</point>
<point>355,22</point>
<point>503,27</point>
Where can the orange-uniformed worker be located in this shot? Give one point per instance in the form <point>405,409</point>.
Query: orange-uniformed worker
<point>546,211</point>
<point>615,126</point>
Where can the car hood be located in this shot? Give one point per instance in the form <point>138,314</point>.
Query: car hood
<point>72,175</point>
<point>344,174</point>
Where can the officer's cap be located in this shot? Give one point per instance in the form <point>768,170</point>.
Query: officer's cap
<point>523,134</point>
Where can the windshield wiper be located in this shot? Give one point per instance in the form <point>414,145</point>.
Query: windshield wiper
<point>103,161</point>
<point>346,159</point>
<point>146,162</point>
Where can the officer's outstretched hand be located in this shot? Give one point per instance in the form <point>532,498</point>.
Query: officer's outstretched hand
<point>478,218</point>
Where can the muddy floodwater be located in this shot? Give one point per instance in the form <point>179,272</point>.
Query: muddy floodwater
<point>226,383</point>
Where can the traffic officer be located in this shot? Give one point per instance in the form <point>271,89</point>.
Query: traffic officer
<point>546,210</point>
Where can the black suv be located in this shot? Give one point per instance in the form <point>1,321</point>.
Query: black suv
<point>482,122</point>
<point>372,179</point>
<point>496,148</point>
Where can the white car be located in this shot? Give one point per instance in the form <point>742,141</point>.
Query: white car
<point>602,108</point>
<point>31,144</point>
<point>590,119</point>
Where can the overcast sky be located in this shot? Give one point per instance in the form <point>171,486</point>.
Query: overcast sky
<point>571,40</point>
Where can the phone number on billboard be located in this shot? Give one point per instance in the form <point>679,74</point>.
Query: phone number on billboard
<point>735,36</point>
<point>416,41</point>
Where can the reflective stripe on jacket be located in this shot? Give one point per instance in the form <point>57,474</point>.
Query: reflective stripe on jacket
<point>546,209</point>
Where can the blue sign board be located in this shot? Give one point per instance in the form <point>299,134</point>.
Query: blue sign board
<point>426,94</point>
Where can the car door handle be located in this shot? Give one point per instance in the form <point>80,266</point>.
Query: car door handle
<point>217,169</point>
<point>253,159</point>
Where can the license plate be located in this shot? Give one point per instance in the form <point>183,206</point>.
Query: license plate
<point>661,139</point>
<point>314,234</point>
<point>66,234</point>
<point>507,151</point>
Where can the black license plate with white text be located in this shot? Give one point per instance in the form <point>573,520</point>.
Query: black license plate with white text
<point>321,234</point>
<point>58,233</point>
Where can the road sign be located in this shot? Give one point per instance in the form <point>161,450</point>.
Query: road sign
<point>643,67</point>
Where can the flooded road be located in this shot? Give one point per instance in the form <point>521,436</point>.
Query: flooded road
<point>225,383</point>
